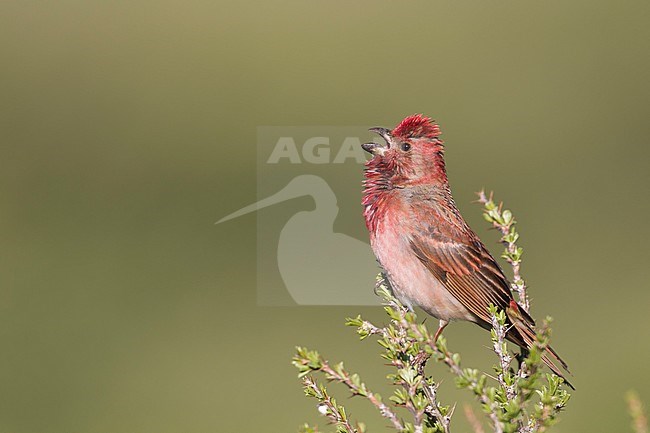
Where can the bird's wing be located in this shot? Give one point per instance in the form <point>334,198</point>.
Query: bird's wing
<point>464,266</point>
<point>460,261</point>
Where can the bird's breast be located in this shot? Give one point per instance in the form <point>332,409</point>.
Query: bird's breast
<point>412,282</point>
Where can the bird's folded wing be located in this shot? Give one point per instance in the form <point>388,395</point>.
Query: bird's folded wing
<point>467,270</point>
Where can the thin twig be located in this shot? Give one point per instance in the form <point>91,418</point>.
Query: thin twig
<point>448,359</point>
<point>331,410</point>
<point>482,396</point>
<point>434,409</point>
<point>471,418</point>
<point>501,350</point>
<point>503,221</point>
<point>344,377</point>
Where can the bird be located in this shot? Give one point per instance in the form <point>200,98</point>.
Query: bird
<point>429,254</point>
<point>317,265</point>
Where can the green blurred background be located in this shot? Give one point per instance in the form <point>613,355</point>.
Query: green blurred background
<point>128,128</point>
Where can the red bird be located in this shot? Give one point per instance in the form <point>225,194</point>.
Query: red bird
<point>429,254</point>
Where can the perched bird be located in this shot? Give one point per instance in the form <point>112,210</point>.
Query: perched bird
<point>429,254</point>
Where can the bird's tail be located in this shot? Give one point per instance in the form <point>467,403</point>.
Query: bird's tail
<point>523,334</point>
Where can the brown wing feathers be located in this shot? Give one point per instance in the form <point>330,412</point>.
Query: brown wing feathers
<point>467,271</point>
<point>472,275</point>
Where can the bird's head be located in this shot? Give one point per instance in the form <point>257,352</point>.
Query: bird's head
<point>412,152</point>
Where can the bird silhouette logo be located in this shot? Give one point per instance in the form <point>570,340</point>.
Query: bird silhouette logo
<point>317,265</point>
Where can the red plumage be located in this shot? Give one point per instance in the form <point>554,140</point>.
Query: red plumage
<point>430,255</point>
<point>417,125</point>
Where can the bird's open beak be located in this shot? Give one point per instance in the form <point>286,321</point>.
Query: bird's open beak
<point>378,148</point>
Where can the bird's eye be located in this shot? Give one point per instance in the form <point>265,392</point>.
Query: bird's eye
<point>405,147</point>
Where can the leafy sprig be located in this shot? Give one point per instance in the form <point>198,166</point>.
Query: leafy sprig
<point>518,399</point>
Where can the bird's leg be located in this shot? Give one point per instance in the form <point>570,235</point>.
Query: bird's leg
<point>442,325</point>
